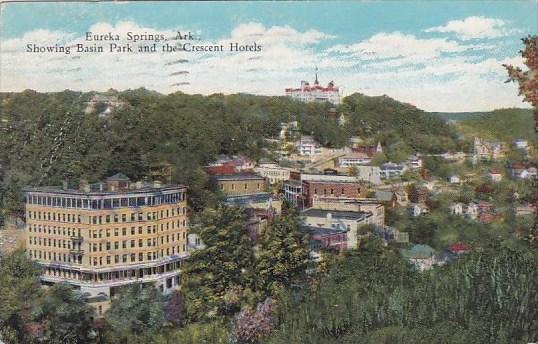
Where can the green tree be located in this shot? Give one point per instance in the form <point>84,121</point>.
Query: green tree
<point>219,276</point>
<point>19,289</point>
<point>283,254</point>
<point>379,158</point>
<point>64,316</point>
<point>136,315</point>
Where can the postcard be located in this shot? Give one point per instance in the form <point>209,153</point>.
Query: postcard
<point>268,172</point>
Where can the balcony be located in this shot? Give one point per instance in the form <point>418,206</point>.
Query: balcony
<point>77,239</point>
<point>76,251</point>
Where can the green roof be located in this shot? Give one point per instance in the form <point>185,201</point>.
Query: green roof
<point>418,252</point>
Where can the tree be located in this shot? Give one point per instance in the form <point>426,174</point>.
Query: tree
<point>19,289</point>
<point>218,277</point>
<point>135,315</point>
<point>527,80</point>
<point>379,158</point>
<point>283,254</point>
<point>64,316</point>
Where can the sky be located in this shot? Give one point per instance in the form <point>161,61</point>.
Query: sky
<point>436,55</point>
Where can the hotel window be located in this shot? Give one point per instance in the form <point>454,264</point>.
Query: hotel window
<point>133,257</point>
<point>124,258</point>
<point>132,231</point>
<point>116,245</point>
<point>133,217</point>
<point>116,259</point>
<point>233,186</point>
<point>139,230</point>
<point>124,231</point>
<point>108,259</point>
<point>107,219</point>
<point>116,231</point>
<point>123,217</point>
<point>246,186</point>
<point>140,257</point>
<point>116,218</point>
<point>108,245</point>
<point>140,242</point>
<point>132,243</point>
<point>108,233</point>
<point>124,244</point>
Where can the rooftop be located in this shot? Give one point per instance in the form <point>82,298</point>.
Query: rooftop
<point>336,214</point>
<point>239,176</point>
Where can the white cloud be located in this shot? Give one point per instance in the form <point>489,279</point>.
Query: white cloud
<point>436,74</point>
<point>474,27</point>
<point>399,45</point>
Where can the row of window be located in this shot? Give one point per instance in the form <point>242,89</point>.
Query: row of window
<point>98,261</point>
<point>132,257</point>
<point>102,233</point>
<point>54,230</point>
<point>106,203</point>
<point>116,218</point>
<point>245,186</point>
<point>60,243</point>
<point>152,242</point>
<point>53,256</point>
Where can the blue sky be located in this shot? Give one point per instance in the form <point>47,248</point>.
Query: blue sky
<point>440,56</point>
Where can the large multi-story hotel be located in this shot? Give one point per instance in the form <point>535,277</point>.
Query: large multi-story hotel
<point>315,93</point>
<point>102,236</point>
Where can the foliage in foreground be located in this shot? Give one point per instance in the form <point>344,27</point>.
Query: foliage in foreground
<point>371,297</point>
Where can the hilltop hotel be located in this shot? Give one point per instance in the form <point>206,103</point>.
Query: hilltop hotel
<point>315,93</point>
<point>106,235</point>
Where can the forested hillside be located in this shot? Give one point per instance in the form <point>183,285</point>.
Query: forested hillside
<point>504,124</point>
<point>47,138</point>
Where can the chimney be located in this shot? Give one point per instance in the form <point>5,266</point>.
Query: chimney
<point>84,185</point>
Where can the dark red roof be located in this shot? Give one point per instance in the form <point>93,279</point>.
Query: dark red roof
<point>459,247</point>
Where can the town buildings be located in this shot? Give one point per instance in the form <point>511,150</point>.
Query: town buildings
<point>487,150</point>
<point>307,146</point>
<point>315,92</point>
<point>102,236</point>
<point>391,170</point>
<point>272,172</point>
<point>240,183</point>
<point>354,159</point>
<point>349,221</point>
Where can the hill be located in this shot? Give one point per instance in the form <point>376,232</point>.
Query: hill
<point>503,124</point>
<point>49,137</point>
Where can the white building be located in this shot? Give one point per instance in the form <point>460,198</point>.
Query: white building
<point>272,172</point>
<point>308,146</point>
<point>415,209</point>
<point>521,144</point>
<point>471,210</point>
<point>354,159</point>
<point>456,209</point>
<point>414,162</point>
<point>391,170</point>
<point>315,93</point>
<point>495,175</point>
<point>454,179</point>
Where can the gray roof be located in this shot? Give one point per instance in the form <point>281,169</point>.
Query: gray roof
<point>118,176</point>
<point>239,176</point>
<point>336,214</point>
